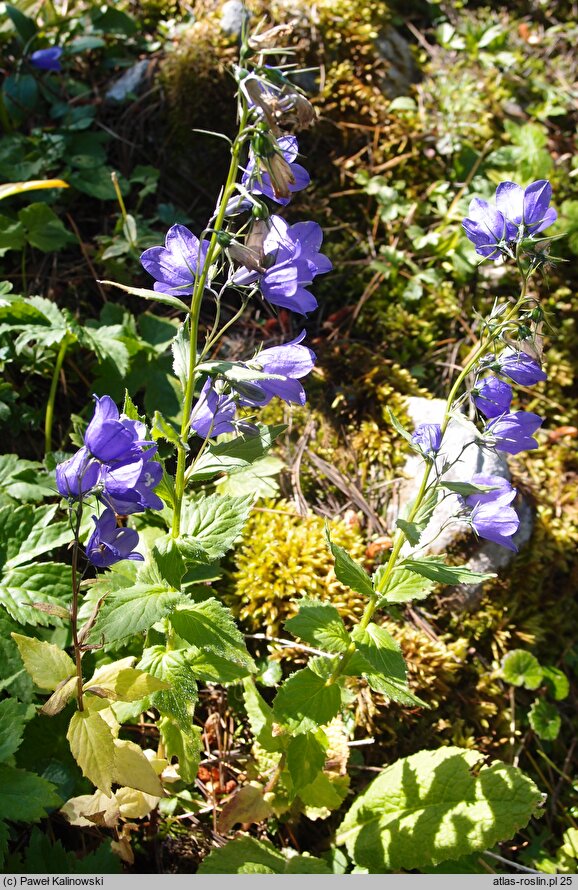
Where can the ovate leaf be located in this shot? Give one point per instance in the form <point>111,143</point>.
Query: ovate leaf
<point>131,768</point>
<point>185,745</point>
<point>402,586</point>
<point>319,624</point>
<point>308,700</point>
<point>306,757</point>
<point>173,668</point>
<point>349,572</point>
<point>92,745</point>
<point>133,610</point>
<point>246,855</point>
<point>46,663</point>
<point>433,806</point>
<point>214,522</point>
<point>380,661</point>
<point>209,625</point>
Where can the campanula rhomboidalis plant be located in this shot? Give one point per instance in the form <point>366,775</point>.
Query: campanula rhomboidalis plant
<point>147,634</point>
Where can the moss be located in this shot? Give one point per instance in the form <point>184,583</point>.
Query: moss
<point>283,556</point>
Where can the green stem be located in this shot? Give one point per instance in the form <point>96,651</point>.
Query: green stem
<point>74,611</point>
<point>198,290</point>
<point>49,416</point>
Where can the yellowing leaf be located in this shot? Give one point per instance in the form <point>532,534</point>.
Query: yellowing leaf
<point>135,804</point>
<point>91,809</point>
<point>59,697</point>
<point>92,746</point>
<point>46,663</point>
<point>125,683</point>
<point>246,805</point>
<point>16,188</point>
<point>131,768</point>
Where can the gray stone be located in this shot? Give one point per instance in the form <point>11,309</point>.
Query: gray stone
<point>233,14</point>
<point>441,533</point>
<point>402,71</point>
<point>129,82</point>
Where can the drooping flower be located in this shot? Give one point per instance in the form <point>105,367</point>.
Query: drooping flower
<point>274,183</point>
<point>288,362</point>
<point>127,494</point>
<point>428,438</point>
<point>109,544</point>
<point>47,59</point>
<point>513,432</point>
<point>78,475</point>
<point>492,517</point>
<point>174,266</point>
<point>112,439</point>
<point>520,367</point>
<point>294,258</point>
<point>214,412</point>
<point>493,396</point>
<point>518,214</point>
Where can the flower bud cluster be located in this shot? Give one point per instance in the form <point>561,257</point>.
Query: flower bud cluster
<point>117,464</point>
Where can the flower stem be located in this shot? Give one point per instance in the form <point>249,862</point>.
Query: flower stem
<point>213,250</point>
<point>49,416</point>
<point>74,611</point>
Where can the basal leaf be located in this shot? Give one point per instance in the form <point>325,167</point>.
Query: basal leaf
<point>132,610</point>
<point>92,745</point>
<point>24,796</point>
<point>46,663</point>
<point>521,668</point>
<point>308,700</point>
<point>320,624</point>
<point>545,720</point>
<point>47,583</point>
<point>434,806</point>
<point>43,228</point>
<point>27,532</point>
<point>215,521</point>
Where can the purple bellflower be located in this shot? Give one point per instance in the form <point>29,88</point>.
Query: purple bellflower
<point>130,489</point>
<point>214,412</point>
<point>294,257</point>
<point>428,438</point>
<point>493,397</point>
<point>289,362</point>
<point>109,544</point>
<point>47,59</point>
<point>112,439</point>
<point>513,432</point>
<point>174,266</point>
<point>517,214</point>
<point>492,517</point>
<point>520,367</point>
<point>78,475</point>
<point>261,184</point>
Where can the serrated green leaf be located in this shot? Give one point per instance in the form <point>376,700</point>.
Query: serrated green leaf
<point>132,610</point>
<point>380,661</point>
<point>246,855</point>
<point>185,745</point>
<point>92,746</point>
<point>24,796</point>
<point>320,624</point>
<point>107,344</point>
<point>545,719</point>
<point>434,806</point>
<point>28,584</point>
<point>402,586</point>
<point>521,668</point>
<point>46,663</point>
<point>166,557</point>
<point>323,794</point>
<point>172,666</point>
<point>411,530</point>
<point>181,349</point>
<point>209,626</point>
<point>308,700</point>
<point>306,758</point>
<point>27,532</point>
<point>12,722</point>
<point>348,571</point>
<point>398,426</point>
<point>162,429</point>
<point>214,522</point>
<point>436,570</point>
